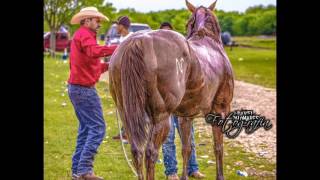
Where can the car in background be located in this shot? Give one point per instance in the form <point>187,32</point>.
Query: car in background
<point>112,37</point>
<point>62,41</point>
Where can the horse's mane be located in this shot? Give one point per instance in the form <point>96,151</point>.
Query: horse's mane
<point>212,27</point>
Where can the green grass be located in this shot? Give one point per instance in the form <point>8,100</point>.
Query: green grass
<point>256,41</point>
<point>257,66</point>
<point>101,42</point>
<point>60,125</point>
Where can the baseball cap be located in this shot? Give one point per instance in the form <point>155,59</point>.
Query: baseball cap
<point>166,24</point>
<point>123,20</point>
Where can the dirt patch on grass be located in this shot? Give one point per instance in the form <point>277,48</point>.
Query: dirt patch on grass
<point>263,101</point>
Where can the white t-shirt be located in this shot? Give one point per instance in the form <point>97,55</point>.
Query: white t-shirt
<point>122,38</point>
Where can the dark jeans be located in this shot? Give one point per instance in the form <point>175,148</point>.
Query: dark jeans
<point>169,151</point>
<point>92,127</point>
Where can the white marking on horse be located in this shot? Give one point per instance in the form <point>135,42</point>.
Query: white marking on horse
<point>179,64</point>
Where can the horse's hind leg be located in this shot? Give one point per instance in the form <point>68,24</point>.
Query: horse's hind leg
<point>185,126</point>
<point>223,110</point>
<point>158,135</point>
<point>137,154</point>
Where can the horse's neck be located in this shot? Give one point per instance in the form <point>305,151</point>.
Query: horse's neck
<point>208,52</point>
<point>205,41</point>
<point>199,45</point>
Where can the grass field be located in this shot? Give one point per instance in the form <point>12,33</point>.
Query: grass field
<point>257,41</point>
<point>60,124</point>
<point>257,66</point>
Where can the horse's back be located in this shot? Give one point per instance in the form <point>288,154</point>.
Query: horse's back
<point>159,45</point>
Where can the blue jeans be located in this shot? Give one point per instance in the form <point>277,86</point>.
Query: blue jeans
<point>92,127</point>
<point>169,151</point>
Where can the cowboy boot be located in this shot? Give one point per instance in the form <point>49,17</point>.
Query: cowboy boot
<point>173,177</point>
<point>197,175</point>
<point>89,176</point>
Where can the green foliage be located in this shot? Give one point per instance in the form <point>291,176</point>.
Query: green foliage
<point>57,13</point>
<point>259,8</point>
<point>255,20</point>
<point>226,23</point>
<point>267,22</point>
<point>46,27</point>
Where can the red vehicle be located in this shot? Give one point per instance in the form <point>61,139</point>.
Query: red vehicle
<point>62,41</point>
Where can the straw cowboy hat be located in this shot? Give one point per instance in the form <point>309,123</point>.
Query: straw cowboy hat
<point>87,12</point>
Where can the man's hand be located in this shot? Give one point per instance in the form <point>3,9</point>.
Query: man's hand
<point>106,59</point>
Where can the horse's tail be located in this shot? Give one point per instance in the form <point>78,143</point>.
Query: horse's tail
<point>133,82</point>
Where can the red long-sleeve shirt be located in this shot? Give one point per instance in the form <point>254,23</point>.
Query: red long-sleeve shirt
<point>85,64</point>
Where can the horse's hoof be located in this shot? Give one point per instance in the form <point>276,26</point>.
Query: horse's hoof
<point>184,178</point>
<point>220,178</point>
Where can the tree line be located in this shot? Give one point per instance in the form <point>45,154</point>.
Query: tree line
<point>256,20</point>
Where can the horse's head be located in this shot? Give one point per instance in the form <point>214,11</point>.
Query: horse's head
<point>203,22</point>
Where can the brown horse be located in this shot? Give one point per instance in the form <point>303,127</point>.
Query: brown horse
<point>154,74</point>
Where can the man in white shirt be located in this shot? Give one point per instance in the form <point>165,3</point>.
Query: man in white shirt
<point>123,24</point>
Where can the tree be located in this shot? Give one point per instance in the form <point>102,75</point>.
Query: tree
<point>240,26</point>
<point>267,22</point>
<point>55,14</point>
<point>255,9</point>
<point>46,26</point>
<point>255,20</point>
<point>59,12</point>
<point>226,24</point>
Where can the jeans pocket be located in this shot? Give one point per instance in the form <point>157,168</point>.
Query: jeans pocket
<point>76,95</point>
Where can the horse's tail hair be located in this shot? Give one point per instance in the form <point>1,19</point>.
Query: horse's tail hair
<point>133,82</point>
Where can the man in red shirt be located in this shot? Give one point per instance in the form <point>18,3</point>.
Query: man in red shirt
<point>85,70</point>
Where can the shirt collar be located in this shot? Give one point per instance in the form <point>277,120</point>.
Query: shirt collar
<point>93,33</point>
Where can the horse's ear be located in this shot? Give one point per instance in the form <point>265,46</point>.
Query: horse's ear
<point>190,6</point>
<point>212,6</point>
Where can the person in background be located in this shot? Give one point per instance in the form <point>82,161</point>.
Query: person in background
<point>85,70</point>
<point>166,25</point>
<point>123,24</point>
<point>169,147</point>
<point>63,29</point>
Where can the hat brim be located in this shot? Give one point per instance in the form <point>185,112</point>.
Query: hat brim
<point>87,14</point>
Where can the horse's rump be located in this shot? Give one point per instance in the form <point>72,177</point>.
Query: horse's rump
<point>148,73</point>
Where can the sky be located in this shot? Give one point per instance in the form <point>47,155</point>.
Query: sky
<point>156,5</point>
